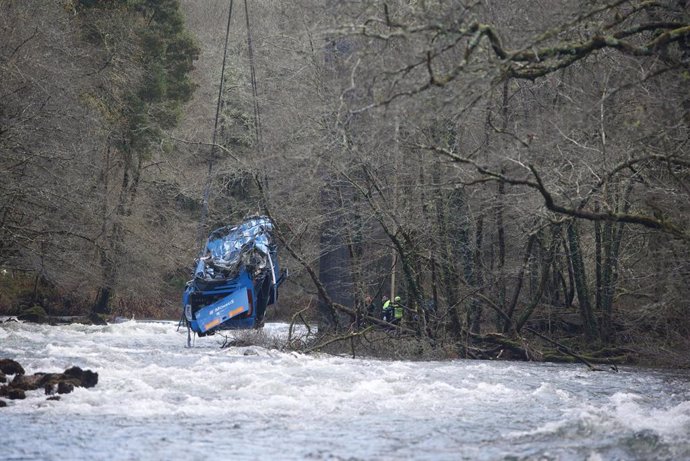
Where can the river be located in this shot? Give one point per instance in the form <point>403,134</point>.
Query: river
<point>159,400</point>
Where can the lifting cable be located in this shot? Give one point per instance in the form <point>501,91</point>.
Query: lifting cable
<point>252,72</point>
<point>257,112</point>
<point>257,117</point>
<point>207,187</point>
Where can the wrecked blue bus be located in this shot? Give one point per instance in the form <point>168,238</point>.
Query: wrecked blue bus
<point>235,279</point>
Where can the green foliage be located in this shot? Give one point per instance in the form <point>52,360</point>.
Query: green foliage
<point>168,56</point>
<point>165,58</point>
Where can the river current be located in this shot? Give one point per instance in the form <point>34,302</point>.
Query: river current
<point>159,400</point>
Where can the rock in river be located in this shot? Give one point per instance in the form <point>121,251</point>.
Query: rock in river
<point>62,383</point>
<point>10,367</point>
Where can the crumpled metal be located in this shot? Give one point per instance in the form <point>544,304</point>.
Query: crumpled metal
<point>230,248</point>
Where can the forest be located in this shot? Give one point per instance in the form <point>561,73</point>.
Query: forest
<point>513,171</point>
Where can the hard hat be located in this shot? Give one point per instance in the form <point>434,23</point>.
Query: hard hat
<point>397,298</point>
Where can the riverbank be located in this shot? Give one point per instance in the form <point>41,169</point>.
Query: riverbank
<point>528,348</point>
<point>391,345</point>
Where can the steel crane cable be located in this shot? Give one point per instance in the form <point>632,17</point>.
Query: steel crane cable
<point>263,186</point>
<point>252,72</point>
<point>211,159</point>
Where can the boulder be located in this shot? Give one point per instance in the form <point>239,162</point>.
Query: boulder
<point>10,367</point>
<point>28,382</point>
<point>62,383</point>
<point>64,387</point>
<point>3,403</point>
<point>74,376</point>
<point>3,378</point>
<point>86,378</point>
<point>16,394</point>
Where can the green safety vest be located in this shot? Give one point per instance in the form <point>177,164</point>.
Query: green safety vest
<point>398,311</point>
<point>387,305</point>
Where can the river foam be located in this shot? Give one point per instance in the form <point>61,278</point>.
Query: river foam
<point>157,399</point>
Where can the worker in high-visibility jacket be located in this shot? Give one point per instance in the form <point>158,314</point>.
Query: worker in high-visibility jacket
<point>397,310</point>
<point>387,309</point>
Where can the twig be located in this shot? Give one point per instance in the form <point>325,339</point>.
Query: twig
<point>340,338</point>
<point>292,323</point>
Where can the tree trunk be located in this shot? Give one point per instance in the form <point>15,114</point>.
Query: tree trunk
<point>478,282</point>
<point>546,264</point>
<point>580,277</point>
<point>614,236</point>
<point>449,274</point>
<point>518,285</point>
<point>500,232</point>
<point>111,257</point>
<point>334,262</point>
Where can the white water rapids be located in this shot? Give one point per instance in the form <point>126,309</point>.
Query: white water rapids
<point>158,400</point>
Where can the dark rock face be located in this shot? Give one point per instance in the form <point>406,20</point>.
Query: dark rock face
<point>3,403</point>
<point>16,394</point>
<point>74,376</point>
<point>27,382</point>
<point>3,378</point>
<point>87,378</point>
<point>62,383</point>
<point>64,387</point>
<point>10,367</point>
